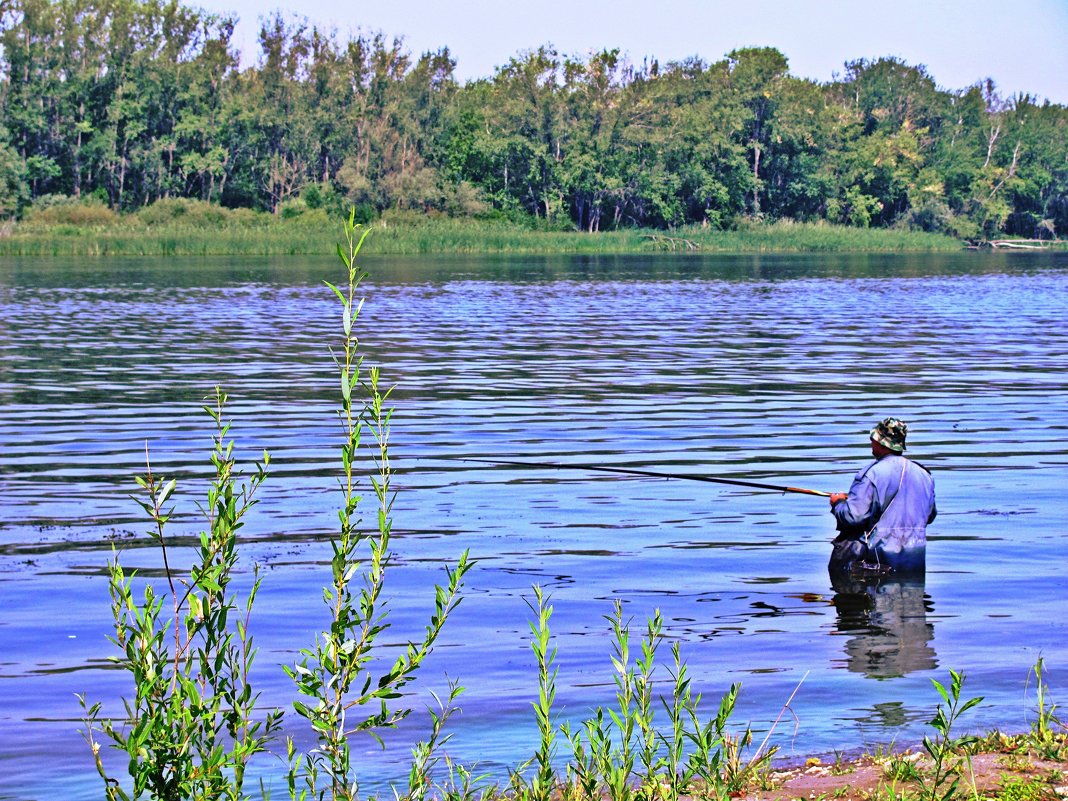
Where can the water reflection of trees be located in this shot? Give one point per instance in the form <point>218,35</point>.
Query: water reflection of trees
<point>885,620</point>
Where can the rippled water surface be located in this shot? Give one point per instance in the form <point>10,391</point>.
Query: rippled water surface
<point>768,369</point>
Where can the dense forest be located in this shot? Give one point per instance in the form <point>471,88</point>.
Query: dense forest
<point>126,102</point>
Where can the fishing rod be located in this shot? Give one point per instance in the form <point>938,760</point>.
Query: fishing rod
<point>652,474</point>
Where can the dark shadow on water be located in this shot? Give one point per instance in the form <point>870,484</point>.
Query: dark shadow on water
<point>885,621</point>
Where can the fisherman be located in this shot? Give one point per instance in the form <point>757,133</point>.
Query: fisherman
<point>883,518</point>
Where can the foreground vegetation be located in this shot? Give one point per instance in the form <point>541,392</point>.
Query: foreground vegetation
<point>193,724</point>
<point>135,101</point>
<point>196,228</point>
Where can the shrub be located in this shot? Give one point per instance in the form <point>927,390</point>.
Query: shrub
<point>196,213</point>
<point>291,209</point>
<point>249,218</point>
<point>324,196</point>
<point>62,210</point>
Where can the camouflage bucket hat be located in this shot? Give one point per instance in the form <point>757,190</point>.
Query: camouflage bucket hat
<point>890,433</point>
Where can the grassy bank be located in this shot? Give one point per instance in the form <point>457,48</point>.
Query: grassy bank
<point>187,228</point>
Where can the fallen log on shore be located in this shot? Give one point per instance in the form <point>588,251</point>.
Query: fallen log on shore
<point>1020,244</point>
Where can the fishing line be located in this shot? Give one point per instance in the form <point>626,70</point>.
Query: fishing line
<point>652,474</point>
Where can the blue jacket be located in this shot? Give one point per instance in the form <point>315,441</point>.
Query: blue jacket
<point>890,504</point>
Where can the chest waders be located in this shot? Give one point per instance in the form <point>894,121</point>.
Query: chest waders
<point>866,537</point>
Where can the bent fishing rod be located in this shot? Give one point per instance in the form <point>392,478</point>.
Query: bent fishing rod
<point>653,474</point>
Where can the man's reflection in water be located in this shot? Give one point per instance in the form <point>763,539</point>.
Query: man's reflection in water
<point>885,618</point>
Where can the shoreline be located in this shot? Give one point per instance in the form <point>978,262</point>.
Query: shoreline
<point>1002,767</point>
<point>253,234</point>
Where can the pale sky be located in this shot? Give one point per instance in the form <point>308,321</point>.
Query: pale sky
<point>1021,44</point>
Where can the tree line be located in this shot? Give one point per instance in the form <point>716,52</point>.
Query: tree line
<point>131,101</point>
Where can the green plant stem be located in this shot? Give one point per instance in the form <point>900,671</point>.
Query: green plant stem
<point>336,675</point>
<point>944,747</point>
<point>544,781</point>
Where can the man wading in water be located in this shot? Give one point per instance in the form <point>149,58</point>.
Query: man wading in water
<point>883,518</point>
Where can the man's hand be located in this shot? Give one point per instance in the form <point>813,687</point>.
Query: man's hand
<point>838,496</point>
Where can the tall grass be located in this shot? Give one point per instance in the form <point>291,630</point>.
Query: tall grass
<point>788,236</point>
<point>187,228</point>
<point>1047,730</point>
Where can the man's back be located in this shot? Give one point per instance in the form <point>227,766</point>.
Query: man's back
<point>893,500</point>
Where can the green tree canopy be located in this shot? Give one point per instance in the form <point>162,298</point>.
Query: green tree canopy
<point>134,101</point>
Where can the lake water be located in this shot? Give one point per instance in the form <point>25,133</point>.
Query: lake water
<point>765,368</point>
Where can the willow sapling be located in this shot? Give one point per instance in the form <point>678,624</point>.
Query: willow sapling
<point>677,772</point>
<point>427,755</point>
<point>191,727</point>
<point>944,748</point>
<point>344,693</point>
<point>621,754</point>
<point>643,711</point>
<point>193,724</point>
<point>544,781</point>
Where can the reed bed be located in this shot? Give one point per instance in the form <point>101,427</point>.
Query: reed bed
<point>252,234</point>
<point>788,236</point>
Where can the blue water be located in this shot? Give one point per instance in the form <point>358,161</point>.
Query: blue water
<point>769,369</point>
